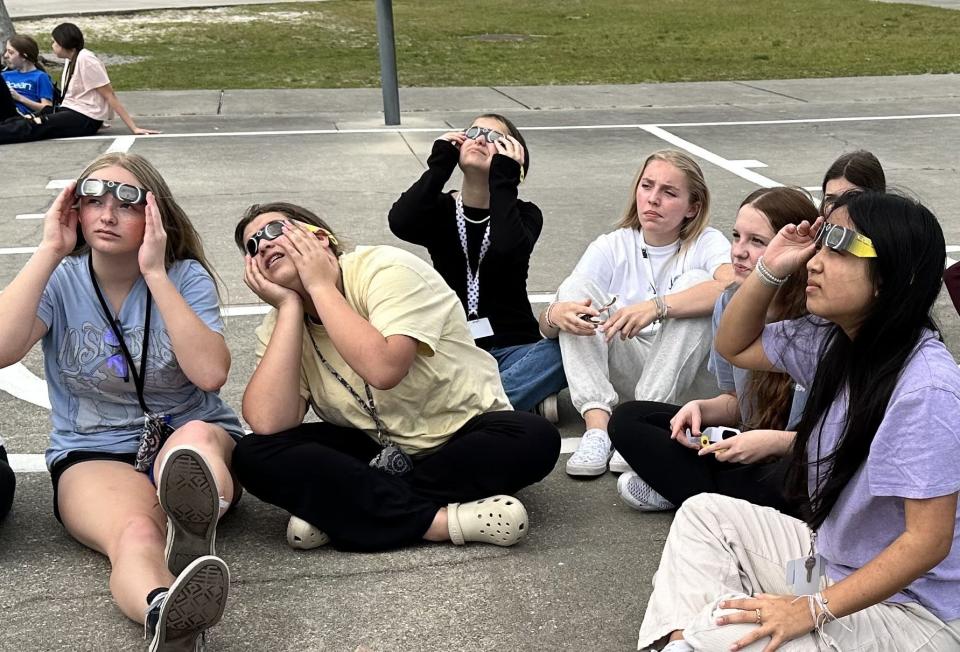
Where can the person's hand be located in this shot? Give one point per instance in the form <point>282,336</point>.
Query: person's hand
<point>748,447</point>
<point>60,223</point>
<point>566,315</point>
<point>140,131</point>
<point>316,263</point>
<point>152,254</point>
<point>455,138</point>
<point>791,248</point>
<point>782,618</point>
<point>510,147</point>
<point>270,292</point>
<point>17,97</point>
<point>629,320</point>
<point>689,416</point>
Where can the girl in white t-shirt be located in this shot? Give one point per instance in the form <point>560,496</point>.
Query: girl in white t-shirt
<point>88,97</point>
<point>634,316</point>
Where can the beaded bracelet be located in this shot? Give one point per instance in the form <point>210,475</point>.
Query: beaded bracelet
<point>662,308</point>
<point>766,276</point>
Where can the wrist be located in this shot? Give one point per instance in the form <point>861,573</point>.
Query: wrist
<point>770,276</point>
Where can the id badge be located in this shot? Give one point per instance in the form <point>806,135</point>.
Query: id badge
<point>480,328</point>
<point>804,574</point>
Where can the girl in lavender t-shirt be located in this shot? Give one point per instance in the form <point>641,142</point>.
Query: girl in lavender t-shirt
<point>874,463</point>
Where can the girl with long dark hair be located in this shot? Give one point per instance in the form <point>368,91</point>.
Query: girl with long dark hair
<point>121,295</point>
<point>873,462</point>
<point>88,97</point>
<point>480,238</point>
<point>765,406</point>
<point>30,85</point>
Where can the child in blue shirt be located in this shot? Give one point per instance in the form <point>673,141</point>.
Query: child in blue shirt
<point>30,85</point>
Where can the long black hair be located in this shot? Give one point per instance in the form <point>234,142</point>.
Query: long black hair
<point>907,277</point>
<point>69,37</point>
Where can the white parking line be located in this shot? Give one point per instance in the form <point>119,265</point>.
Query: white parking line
<point>121,144</point>
<point>441,129</point>
<point>59,184</point>
<point>31,216</point>
<point>4,251</point>
<point>734,167</point>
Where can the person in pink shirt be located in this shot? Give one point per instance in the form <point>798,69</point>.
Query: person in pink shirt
<point>88,97</point>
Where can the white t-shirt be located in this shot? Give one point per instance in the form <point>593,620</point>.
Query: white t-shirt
<point>81,95</point>
<point>615,262</point>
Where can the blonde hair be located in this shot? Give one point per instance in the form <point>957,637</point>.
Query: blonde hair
<point>183,241</point>
<point>699,195</point>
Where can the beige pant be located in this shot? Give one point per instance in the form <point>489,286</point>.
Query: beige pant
<point>668,365</point>
<point>719,545</point>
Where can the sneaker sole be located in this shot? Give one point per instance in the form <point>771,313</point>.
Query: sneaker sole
<point>188,495</point>
<point>196,602</point>
<point>585,470</point>
<point>619,467</point>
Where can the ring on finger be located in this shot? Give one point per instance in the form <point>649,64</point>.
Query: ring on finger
<point>759,618</point>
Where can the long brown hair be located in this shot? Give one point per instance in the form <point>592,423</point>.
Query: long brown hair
<point>183,241</point>
<point>770,393</point>
<point>699,195</point>
<point>28,49</point>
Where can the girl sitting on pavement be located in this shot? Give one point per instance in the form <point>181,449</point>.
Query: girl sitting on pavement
<point>872,461</point>
<point>417,438</point>
<point>124,302</point>
<point>634,316</point>
<point>857,170</point>
<point>30,85</point>
<point>480,239</point>
<point>88,97</point>
<point>766,406</point>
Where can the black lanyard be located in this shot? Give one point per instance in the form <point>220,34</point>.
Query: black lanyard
<point>139,377</point>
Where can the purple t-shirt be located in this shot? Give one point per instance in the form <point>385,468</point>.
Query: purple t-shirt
<point>914,454</point>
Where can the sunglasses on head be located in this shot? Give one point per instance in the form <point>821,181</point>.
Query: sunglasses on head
<point>273,230</point>
<point>476,133</point>
<point>124,192</point>
<point>839,238</point>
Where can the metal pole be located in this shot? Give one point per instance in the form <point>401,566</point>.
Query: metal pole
<point>388,63</point>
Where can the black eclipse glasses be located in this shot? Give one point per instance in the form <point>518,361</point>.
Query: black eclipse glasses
<point>273,230</point>
<point>476,133</point>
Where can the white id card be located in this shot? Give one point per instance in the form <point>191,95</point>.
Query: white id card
<point>480,328</point>
<point>804,574</point>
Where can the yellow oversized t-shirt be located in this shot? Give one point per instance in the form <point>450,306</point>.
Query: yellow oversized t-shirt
<point>451,380</point>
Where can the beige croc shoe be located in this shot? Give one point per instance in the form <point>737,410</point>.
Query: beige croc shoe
<point>303,536</point>
<point>500,520</point>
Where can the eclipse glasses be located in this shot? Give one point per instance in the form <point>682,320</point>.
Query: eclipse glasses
<point>273,230</point>
<point>124,192</point>
<point>476,133</point>
<point>839,238</point>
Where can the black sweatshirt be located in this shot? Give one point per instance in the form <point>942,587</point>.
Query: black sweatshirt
<point>427,216</point>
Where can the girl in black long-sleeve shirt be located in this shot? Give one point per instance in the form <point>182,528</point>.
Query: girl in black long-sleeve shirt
<point>486,224</point>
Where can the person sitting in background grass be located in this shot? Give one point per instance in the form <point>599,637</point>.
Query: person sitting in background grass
<point>633,318</point>
<point>417,440</point>
<point>88,97</point>
<point>766,406</point>
<point>30,85</point>
<point>480,239</point>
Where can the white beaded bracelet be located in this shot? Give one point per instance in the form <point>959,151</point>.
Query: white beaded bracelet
<point>766,276</point>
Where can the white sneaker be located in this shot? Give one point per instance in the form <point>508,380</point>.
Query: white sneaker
<point>547,408</point>
<point>677,646</point>
<point>592,454</point>
<point>618,464</point>
<point>639,495</point>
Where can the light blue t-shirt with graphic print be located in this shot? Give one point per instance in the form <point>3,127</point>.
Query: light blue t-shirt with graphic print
<point>93,408</point>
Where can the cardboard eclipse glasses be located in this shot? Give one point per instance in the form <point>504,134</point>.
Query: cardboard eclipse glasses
<point>273,230</point>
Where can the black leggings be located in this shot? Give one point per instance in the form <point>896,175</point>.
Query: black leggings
<point>640,430</point>
<point>320,472</point>
<point>64,123</point>
<point>8,482</point>
<point>8,108</point>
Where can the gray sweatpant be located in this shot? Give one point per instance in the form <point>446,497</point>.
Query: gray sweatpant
<point>667,365</point>
<point>720,545</point>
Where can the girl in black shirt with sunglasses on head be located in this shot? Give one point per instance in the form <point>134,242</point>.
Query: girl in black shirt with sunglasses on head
<point>480,239</point>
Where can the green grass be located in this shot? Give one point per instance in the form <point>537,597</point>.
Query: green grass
<point>567,42</point>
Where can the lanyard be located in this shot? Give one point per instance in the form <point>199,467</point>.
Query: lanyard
<point>139,377</point>
<point>368,406</point>
<point>646,259</point>
<point>473,280</point>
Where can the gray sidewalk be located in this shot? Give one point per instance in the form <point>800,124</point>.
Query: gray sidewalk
<point>37,8</point>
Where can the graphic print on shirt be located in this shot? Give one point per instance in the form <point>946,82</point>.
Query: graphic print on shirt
<point>98,393</point>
